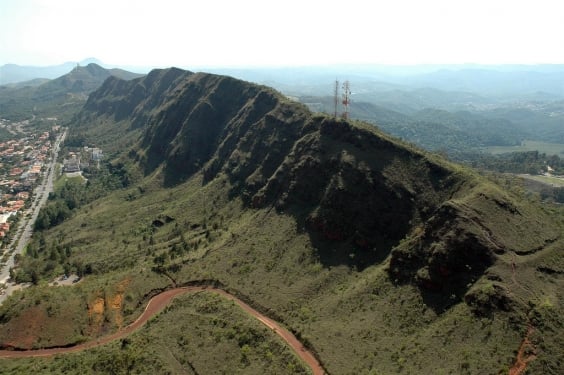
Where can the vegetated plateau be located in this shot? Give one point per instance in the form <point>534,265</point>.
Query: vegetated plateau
<point>381,258</point>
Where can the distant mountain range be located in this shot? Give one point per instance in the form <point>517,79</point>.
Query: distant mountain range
<point>531,82</point>
<point>499,82</point>
<point>12,73</point>
<point>507,103</point>
<point>538,82</point>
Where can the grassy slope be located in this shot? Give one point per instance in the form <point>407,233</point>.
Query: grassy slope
<point>343,313</point>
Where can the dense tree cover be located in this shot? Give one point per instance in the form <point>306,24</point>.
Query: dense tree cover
<point>43,258</point>
<point>555,194</point>
<point>52,214</point>
<point>75,193</point>
<point>531,162</point>
<point>5,135</point>
<point>542,121</point>
<point>75,140</point>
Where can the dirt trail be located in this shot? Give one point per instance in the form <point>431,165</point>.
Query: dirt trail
<point>157,304</point>
<point>523,358</point>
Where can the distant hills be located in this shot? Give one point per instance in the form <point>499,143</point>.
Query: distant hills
<point>12,73</point>
<point>529,82</point>
<point>494,82</point>
<point>500,82</point>
<point>375,253</point>
<point>82,79</point>
<point>486,105</point>
<point>435,129</point>
<point>57,96</point>
<point>457,109</point>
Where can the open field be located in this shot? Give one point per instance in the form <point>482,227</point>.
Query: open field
<point>552,181</point>
<point>543,147</point>
<point>256,253</point>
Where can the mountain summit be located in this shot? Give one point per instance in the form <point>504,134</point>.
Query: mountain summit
<point>357,184</point>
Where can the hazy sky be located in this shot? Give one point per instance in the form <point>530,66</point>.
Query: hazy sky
<point>290,32</point>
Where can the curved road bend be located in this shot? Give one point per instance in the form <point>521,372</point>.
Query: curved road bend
<point>157,304</point>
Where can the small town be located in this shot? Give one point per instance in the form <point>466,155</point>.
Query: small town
<point>22,162</point>
<point>23,165</point>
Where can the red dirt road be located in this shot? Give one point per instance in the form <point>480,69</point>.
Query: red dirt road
<point>158,303</point>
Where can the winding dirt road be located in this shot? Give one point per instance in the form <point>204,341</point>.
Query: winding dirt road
<point>157,304</point>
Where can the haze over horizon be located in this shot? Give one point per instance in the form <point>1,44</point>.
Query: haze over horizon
<point>256,33</point>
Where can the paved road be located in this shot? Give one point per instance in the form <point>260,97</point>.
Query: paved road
<point>157,304</point>
<point>25,227</point>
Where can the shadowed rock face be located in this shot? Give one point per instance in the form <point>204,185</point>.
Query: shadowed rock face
<point>450,253</point>
<point>360,196</point>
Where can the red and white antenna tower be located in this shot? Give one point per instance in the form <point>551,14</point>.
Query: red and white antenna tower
<point>336,97</point>
<point>346,98</point>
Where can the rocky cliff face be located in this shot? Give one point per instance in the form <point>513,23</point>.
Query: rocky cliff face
<point>132,99</point>
<point>360,195</point>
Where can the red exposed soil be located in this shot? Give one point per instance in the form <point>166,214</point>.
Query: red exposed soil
<point>525,354</point>
<point>30,322</point>
<point>115,303</point>
<point>96,314</point>
<point>107,305</point>
<point>155,305</point>
<point>526,351</point>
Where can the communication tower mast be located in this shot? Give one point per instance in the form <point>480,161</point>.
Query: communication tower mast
<point>336,97</point>
<point>346,98</point>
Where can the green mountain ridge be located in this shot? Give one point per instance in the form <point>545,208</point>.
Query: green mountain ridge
<point>85,78</point>
<point>62,95</point>
<point>374,252</point>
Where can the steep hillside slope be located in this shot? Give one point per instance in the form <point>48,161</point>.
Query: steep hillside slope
<point>377,255</point>
<point>355,184</point>
<point>118,108</point>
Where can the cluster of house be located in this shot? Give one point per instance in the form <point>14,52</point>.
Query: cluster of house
<point>21,165</point>
<point>78,160</point>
